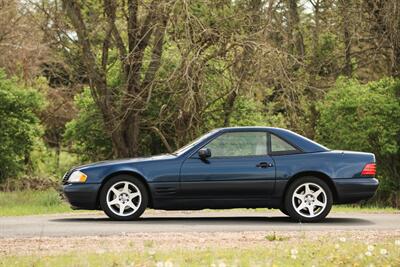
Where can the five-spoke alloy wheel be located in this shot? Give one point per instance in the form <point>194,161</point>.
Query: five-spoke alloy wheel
<point>308,199</point>
<point>124,198</point>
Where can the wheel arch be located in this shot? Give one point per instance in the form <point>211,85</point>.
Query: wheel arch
<point>320,175</point>
<point>129,173</point>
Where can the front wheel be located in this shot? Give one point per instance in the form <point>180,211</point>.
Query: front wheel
<point>284,211</point>
<point>123,198</point>
<point>308,199</point>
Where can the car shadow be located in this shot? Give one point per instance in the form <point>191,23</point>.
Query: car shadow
<point>257,220</point>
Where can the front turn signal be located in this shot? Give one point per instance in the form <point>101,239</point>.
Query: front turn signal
<point>77,177</point>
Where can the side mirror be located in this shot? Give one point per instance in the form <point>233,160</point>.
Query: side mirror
<point>204,153</point>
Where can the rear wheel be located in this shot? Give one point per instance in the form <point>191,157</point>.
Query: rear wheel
<point>308,199</point>
<point>124,198</point>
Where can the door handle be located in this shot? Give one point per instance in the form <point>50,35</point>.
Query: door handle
<point>264,165</point>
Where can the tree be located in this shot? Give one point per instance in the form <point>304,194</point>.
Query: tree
<point>385,23</point>
<point>19,125</point>
<point>21,48</point>
<point>98,36</point>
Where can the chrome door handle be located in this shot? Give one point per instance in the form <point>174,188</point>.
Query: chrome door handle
<point>264,165</point>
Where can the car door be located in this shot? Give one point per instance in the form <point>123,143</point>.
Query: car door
<point>239,168</point>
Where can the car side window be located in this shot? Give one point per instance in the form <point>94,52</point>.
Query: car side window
<point>239,144</point>
<point>280,146</point>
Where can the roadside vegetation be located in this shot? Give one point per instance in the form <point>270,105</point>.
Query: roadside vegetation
<point>370,208</point>
<point>28,202</point>
<point>323,251</point>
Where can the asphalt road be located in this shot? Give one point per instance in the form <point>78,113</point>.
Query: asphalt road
<point>193,221</point>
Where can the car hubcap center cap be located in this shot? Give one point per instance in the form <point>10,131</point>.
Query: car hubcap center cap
<point>309,199</point>
<point>124,198</point>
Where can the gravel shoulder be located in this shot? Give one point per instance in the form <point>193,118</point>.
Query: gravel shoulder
<point>140,242</point>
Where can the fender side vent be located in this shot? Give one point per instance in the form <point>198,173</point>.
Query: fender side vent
<point>165,190</point>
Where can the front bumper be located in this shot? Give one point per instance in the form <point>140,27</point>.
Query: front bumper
<point>355,189</point>
<point>82,196</point>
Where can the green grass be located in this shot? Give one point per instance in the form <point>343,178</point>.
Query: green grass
<point>31,202</point>
<point>337,208</point>
<point>274,237</point>
<point>320,252</point>
<point>366,209</point>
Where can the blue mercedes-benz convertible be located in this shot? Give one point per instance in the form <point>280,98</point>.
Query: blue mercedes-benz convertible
<point>240,167</point>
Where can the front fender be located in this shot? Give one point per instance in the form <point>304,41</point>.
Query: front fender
<point>96,175</point>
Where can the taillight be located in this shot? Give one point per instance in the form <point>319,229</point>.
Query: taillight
<point>369,170</point>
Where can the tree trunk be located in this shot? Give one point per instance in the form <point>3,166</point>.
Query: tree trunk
<point>125,137</point>
<point>395,40</point>
<point>296,43</point>
<point>228,108</point>
<point>58,152</point>
<point>242,69</point>
<point>314,69</point>
<point>386,15</point>
<point>315,37</point>
<point>344,8</point>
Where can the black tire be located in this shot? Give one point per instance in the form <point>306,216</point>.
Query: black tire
<point>120,179</point>
<point>321,212</point>
<point>284,211</point>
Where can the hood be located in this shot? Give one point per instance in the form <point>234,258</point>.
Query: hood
<point>126,161</point>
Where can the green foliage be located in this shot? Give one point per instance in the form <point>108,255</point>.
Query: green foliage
<point>48,163</point>
<point>246,112</point>
<point>250,112</point>
<point>366,117</point>
<point>18,125</point>
<point>363,117</point>
<point>273,237</point>
<point>86,132</point>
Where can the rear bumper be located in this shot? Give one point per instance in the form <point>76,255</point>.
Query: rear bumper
<point>82,196</point>
<point>355,189</point>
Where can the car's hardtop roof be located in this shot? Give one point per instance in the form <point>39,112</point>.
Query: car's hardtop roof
<point>305,144</point>
<point>246,128</point>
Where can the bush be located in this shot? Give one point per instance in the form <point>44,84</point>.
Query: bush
<point>366,117</point>
<point>86,132</point>
<point>19,125</point>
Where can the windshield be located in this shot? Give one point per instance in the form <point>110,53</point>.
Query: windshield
<point>193,143</point>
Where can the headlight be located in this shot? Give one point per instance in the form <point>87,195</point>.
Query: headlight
<point>77,177</point>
